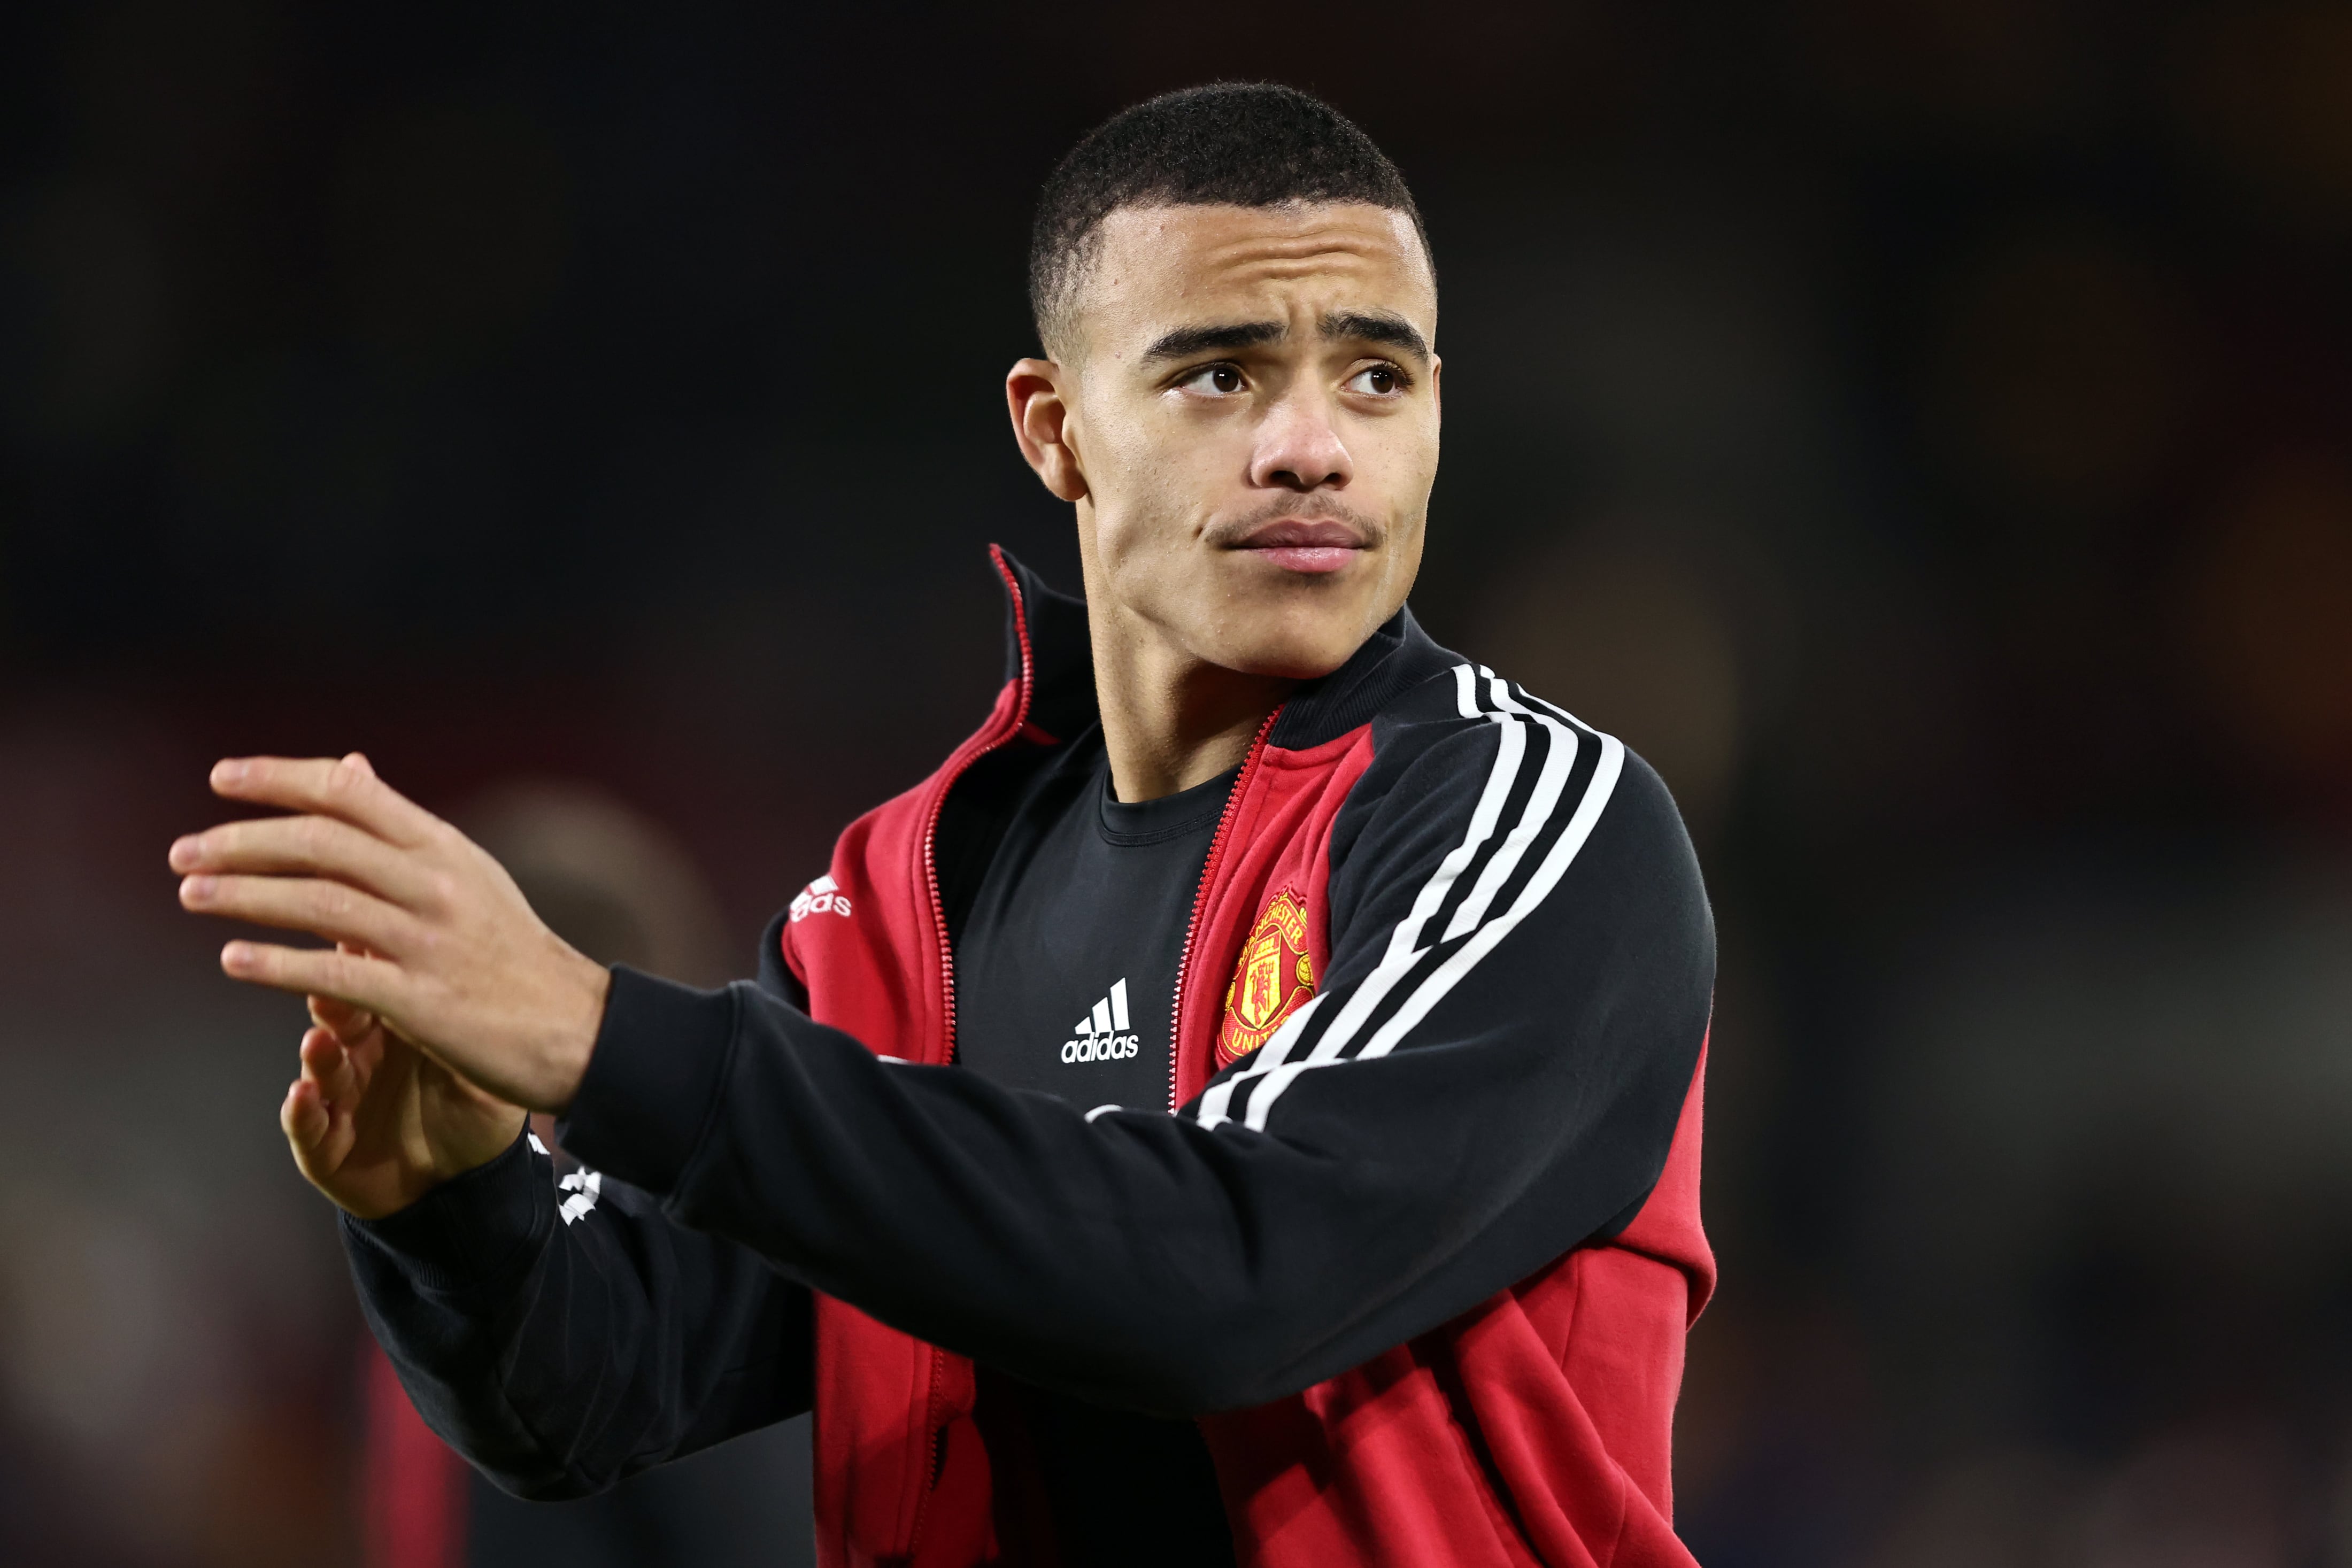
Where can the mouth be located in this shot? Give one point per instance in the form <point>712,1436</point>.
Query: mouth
<point>1308,545</point>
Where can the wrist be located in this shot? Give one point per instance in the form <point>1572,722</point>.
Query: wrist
<point>458,1151</point>
<point>407,1187</point>
<point>573,1044</point>
<point>469,1230</point>
<point>659,1063</point>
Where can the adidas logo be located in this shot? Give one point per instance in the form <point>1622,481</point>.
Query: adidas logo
<point>585,1184</point>
<point>821,897</point>
<point>1102,1034</point>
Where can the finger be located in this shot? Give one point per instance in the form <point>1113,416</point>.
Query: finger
<point>345,1022</point>
<point>344,788</point>
<point>309,844</point>
<point>319,1139</point>
<point>366,982</point>
<point>305,1119</point>
<point>329,909</point>
<point>350,1025</point>
<point>362,1052</point>
<point>326,1063</point>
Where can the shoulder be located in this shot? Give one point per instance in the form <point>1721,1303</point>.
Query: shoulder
<point>1468,736</point>
<point>1469,762</point>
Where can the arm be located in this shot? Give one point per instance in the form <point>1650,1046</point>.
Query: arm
<point>566,1337</point>
<point>560,1340</point>
<point>1485,1083</point>
<point>1490,1078</point>
<point>564,1341</point>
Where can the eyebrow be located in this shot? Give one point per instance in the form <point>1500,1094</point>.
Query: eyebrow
<point>1369,327</point>
<point>1376,327</point>
<point>1186,341</point>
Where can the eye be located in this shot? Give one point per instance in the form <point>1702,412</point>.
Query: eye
<point>1219,379</point>
<point>1378,381</point>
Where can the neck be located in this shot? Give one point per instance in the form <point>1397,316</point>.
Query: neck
<point>1170,721</point>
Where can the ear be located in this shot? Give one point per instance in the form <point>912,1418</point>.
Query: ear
<point>1041,418</point>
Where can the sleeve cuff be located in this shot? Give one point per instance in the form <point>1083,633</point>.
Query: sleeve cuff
<point>659,1060</point>
<point>470,1228</point>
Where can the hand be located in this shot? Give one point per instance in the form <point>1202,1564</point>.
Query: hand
<point>434,938</point>
<point>375,1124</point>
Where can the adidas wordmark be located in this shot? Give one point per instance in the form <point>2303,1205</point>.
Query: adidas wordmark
<point>1103,1034</point>
<point>822,896</point>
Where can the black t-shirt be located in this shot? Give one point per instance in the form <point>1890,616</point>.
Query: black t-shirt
<point>1066,983</point>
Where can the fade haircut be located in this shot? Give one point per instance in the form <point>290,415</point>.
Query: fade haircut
<point>1247,144</point>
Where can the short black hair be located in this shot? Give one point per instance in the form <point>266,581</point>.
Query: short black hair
<point>1250,144</point>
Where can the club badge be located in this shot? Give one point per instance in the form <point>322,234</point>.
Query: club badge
<point>1273,978</point>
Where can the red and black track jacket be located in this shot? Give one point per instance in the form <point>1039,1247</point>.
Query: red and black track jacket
<point>1416,1240</point>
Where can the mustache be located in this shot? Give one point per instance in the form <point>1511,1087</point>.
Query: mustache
<point>1231,533</point>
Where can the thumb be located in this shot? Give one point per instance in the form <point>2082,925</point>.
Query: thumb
<point>359,759</point>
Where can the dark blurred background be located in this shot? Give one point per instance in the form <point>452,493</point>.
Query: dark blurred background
<point>1922,427</point>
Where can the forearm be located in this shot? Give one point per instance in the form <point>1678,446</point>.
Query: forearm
<point>561,1357</point>
<point>1136,1259</point>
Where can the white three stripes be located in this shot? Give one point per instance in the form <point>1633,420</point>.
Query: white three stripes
<point>1109,1014</point>
<point>1406,943</point>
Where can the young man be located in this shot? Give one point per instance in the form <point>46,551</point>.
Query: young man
<point>1243,1107</point>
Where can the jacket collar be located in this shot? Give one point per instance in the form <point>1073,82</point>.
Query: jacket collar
<point>1045,630</point>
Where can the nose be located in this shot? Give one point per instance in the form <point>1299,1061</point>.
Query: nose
<point>1298,447</point>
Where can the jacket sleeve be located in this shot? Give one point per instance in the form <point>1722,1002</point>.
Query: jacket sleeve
<point>1518,991</point>
<point>564,1337</point>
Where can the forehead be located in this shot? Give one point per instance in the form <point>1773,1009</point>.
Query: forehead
<point>1161,267</point>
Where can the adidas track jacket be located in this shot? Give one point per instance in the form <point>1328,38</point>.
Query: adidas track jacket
<point>1416,1239</point>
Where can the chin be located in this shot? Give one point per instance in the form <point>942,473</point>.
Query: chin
<point>1285,626</point>
<point>1294,653</point>
<point>1301,626</point>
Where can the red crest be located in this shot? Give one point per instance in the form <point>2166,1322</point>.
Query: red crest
<point>1273,978</point>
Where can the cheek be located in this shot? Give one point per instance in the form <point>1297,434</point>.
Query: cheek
<point>1139,540</point>
<point>1155,486</point>
<point>1402,451</point>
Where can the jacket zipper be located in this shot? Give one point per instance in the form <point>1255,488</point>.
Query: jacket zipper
<point>931,826</point>
<point>947,967</point>
<point>1201,895</point>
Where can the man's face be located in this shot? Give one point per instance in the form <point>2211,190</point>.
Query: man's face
<point>1252,408</point>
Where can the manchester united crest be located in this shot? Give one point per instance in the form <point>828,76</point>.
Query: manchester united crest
<point>1273,978</point>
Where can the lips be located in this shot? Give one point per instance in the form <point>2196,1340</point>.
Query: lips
<point>1311,545</point>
